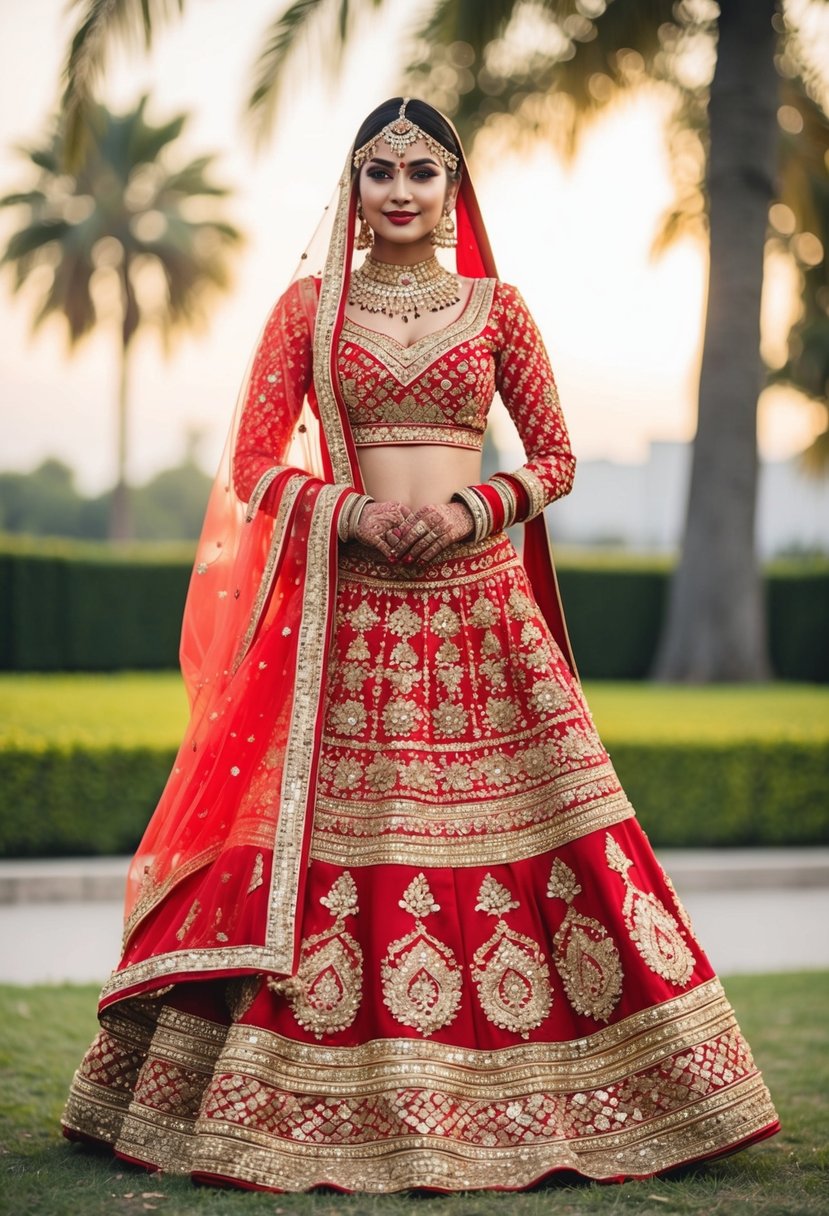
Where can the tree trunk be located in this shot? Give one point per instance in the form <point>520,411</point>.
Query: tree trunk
<point>120,515</point>
<point>715,627</point>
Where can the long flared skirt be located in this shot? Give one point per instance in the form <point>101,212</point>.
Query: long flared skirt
<point>496,980</point>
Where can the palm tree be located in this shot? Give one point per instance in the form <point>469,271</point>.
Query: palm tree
<point>115,241</point>
<point>586,52</point>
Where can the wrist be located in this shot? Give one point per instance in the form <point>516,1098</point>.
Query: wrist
<point>349,519</point>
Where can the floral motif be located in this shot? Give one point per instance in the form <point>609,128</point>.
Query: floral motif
<point>381,774</point>
<point>419,776</point>
<point>511,976</point>
<point>363,617</point>
<point>420,974</point>
<point>548,696</point>
<point>652,929</point>
<point>494,670</point>
<point>585,955</point>
<point>447,653</point>
<point>501,714</point>
<point>347,718</point>
<point>450,677</point>
<point>404,622</point>
<point>520,606</point>
<point>325,993</point>
<point>484,613</point>
<point>347,773</point>
<point>450,719</point>
<point>403,654</point>
<point>445,622</point>
<point>400,717</point>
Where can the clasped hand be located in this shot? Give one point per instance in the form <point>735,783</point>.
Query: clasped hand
<point>401,535</point>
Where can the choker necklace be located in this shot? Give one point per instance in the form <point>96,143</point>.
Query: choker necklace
<point>401,291</point>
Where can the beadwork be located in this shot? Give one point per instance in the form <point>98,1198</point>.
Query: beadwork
<point>401,291</point>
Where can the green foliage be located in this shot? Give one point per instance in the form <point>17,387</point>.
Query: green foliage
<point>46,502</point>
<point>44,1031</point>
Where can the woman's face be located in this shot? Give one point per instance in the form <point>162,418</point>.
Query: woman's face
<point>403,197</point>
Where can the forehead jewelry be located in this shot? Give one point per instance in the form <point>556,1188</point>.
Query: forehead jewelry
<point>400,134</point>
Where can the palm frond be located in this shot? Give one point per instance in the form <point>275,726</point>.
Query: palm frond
<point>280,40</point>
<point>99,24</point>
<point>283,38</point>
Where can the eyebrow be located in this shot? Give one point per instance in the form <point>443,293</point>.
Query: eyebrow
<point>390,164</point>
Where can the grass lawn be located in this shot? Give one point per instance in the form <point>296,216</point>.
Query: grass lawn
<point>44,1031</point>
<point>150,709</point>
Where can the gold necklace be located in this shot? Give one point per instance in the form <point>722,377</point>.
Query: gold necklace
<point>398,291</point>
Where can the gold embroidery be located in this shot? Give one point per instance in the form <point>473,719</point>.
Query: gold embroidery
<point>661,1086</point>
<point>407,363</point>
<point>450,719</point>
<point>585,956</point>
<point>509,970</point>
<point>652,929</point>
<point>186,925</point>
<point>325,993</point>
<point>420,974</point>
<point>347,718</point>
<point>256,878</point>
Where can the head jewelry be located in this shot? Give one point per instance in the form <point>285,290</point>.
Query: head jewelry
<point>400,135</point>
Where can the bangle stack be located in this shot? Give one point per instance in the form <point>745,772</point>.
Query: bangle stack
<point>349,519</point>
<point>478,508</point>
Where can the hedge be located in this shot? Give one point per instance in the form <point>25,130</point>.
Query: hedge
<point>73,801</point>
<point>81,608</point>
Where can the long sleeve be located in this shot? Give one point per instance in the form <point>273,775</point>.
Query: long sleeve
<point>527,386</point>
<point>280,377</point>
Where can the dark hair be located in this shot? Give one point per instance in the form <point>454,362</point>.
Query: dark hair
<point>420,112</point>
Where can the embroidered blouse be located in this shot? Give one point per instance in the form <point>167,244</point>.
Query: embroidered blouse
<point>438,391</point>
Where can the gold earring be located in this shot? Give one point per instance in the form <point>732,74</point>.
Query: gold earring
<point>365,237</point>
<point>443,236</point>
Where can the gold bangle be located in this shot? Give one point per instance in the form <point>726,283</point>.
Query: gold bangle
<point>536,492</point>
<point>475,507</point>
<point>508,497</point>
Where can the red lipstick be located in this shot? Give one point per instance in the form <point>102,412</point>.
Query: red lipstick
<point>401,217</point>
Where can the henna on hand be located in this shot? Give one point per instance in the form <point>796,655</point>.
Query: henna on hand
<point>374,527</point>
<point>428,532</point>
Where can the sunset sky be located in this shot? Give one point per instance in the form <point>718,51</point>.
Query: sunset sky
<point>623,330</point>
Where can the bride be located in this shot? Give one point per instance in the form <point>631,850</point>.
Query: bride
<point>394,923</point>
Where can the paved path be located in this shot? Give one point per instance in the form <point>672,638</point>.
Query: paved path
<point>754,910</point>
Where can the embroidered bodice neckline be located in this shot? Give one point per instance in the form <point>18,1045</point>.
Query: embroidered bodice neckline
<point>407,362</point>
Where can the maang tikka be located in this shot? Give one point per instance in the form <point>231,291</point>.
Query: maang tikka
<point>400,134</point>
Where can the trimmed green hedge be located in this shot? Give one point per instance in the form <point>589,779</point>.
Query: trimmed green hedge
<point>73,801</point>
<point>71,607</point>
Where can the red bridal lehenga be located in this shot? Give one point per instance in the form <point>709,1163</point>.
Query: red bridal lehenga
<point>394,924</point>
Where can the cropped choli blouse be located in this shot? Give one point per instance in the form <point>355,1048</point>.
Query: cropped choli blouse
<point>437,391</point>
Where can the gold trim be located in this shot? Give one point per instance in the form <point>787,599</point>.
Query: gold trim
<point>308,704</point>
<point>367,847</point>
<point>259,490</point>
<point>331,294</point>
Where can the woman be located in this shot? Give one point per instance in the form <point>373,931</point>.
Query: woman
<point>393,923</point>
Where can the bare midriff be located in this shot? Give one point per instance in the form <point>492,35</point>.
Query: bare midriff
<point>417,475</point>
